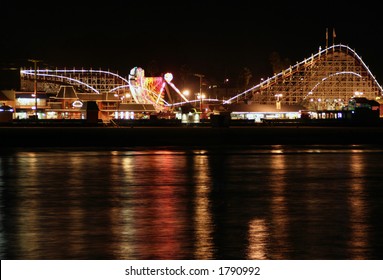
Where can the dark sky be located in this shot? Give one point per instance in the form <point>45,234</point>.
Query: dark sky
<point>214,38</point>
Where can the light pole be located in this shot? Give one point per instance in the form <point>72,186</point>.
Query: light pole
<point>35,84</point>
<point>278,101</point>
<point>200,89</point>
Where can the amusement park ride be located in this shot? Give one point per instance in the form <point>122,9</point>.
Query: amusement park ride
<point>152,89</point>
<point>159,92</point>
<point>326,80</point>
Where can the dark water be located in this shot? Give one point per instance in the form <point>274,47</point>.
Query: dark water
<point>265,202</point>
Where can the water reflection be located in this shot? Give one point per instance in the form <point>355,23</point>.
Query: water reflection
<point>202,214</point>
<point>358,210</point>
<point>271,203</point>
<point>158,222</point>
<point>258,233</point>
<point>278,208</point>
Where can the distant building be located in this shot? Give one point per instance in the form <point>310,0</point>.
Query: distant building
<point>357,109</point>
<point>259,112</point>
<point>68,104</point>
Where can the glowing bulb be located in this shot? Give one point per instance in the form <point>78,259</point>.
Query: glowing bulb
<point>168,77</point>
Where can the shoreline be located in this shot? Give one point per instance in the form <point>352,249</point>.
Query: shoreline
<point>186,136</point>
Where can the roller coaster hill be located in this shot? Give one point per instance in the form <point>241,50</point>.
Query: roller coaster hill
<point>334,83</point>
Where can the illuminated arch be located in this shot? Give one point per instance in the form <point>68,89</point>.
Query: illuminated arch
<point>330,76</point>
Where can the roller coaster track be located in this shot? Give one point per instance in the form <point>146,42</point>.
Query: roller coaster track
<point>93,81</point>
<point>326,80</point>
<point>98,82</point>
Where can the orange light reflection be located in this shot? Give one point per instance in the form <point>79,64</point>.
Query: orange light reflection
<point>358,209</point>
<point>203,219</point>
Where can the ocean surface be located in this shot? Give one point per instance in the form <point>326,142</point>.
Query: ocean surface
<point>278,202</point>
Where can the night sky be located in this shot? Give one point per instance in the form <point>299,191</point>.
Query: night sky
<point>213,38</point>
